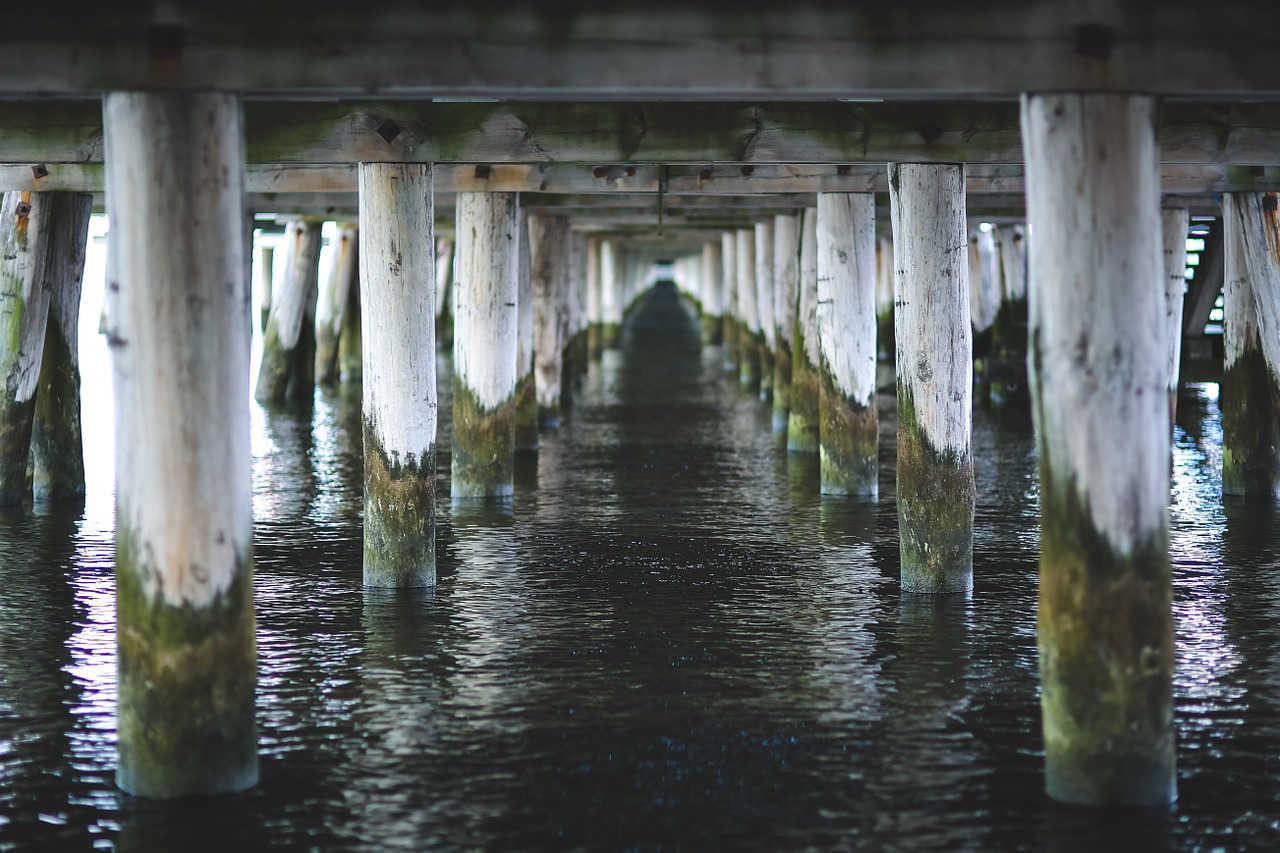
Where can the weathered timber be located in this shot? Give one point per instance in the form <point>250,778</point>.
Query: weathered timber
<point>526,383</point>
<point>1006,369</point>
<point>317,134</point>
<point>811,50</point>
<point>804,419</point>
<point>610,293</point>
<point>594,312</point>
<point>287,371</point>
<point>786,286</point>
<point>1173,225</point>
<point>729,328</point>
<point>748,312</point>
<point>331,307</point>
<point>179,338</point>
<point>712,261</point>
<point>549,250</point>
<point>1251,373</point>
<point>849,424</point>
<point>1098,366</point>
<point>485,346</point>
<point>936,491</point>
<point>398,386</point>
<point>767,336</point>
<point>57,448</point>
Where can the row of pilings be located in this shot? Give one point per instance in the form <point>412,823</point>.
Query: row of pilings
<point>1101,300</point>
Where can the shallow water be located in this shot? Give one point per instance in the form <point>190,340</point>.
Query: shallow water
<point>667,640</point>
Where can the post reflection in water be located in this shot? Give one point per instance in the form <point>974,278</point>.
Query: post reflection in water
<point>667,638</point>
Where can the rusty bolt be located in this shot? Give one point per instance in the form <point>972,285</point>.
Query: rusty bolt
<point>844,171</point>
<point>40,170</point>
<point>630,171</point>
<point>482,173</point>
<point>748,171</point>
<point>599,172</point>
<point>23,210</point>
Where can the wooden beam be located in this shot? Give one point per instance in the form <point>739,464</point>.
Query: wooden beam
<point>809,49</point>
<point>671,134</point>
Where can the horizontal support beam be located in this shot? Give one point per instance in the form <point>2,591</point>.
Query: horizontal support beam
<point>671,134</point>
<point>672,181</point>
<point>812,49</point>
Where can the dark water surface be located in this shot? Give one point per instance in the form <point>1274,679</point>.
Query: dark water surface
<point>668,640</point>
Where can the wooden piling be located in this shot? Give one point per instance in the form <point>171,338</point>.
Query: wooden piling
<point>767,334</point>
<point>729,328</point>
<point>57,448</point>
<point>1251,321</point>
<point>266,267</point>
<point>846,312</point>
<point>712,269</point>
<point>804,419</point>
<point>1007,364</point>
<point>610,294</point>
<point>935,377</point>
<point>287,371</point>
<point>1173,226</point>
<point>485,345</point>
<point>549,254</point>
<point>786,285</point>
<point>179,339</point>
<point>398,330</point>
<point>748,315</point>
<point>331,308</point>
<point>594,315</point>
<point>25,219</point>
<point>1098,367</point>
<point>526,385</point>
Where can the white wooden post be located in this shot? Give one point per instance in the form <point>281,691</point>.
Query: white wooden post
<point>748,315</point>
<point>179,335</point>
<point>398,331</point>
<point>935,377</point>
<point>767,333</point>
<point>786,286</point>
<point>1099,391</point>
<point>287,371</point>
<point>549,253</point>
<point>1173,224</point>
<point>804,420</point>
<point>485,346</point>
<point>846,314</point>
<point>526,385</point>
<point>335,296</point>
<point>732,308</point>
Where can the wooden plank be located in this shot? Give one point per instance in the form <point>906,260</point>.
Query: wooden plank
<point>624,49</point>
<point>672,134</point>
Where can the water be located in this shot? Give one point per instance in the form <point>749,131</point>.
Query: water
<point>667,641</point>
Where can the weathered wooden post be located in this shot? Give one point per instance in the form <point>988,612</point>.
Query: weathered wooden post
<point>1251,319</point>
<point>549,250</point>
<point>484,354</point>
<point>594,315</point>
<point>266,267</point>
<point>748,315</point>
<point>936,490</point>
<point>184,528</point>
<point>729,329</point>
<point>526,385</point>
<point>574,329</point>
<point>1173,225</point>
<point>786,286</point>
<point>767,333</point>
<point>24,314</point>
<point>335,296</point>
<point>804,420</point>
<point>984,288</point>
<point>445,253</point>
<point>398,291</point>
<point>287,371</point>
<point>1007,370</point>
<point>712,293</point>
<point>350,356</point>
<point>846,312</point>
<point>57,449</point>
<point>1098,368</point>
<point>886,343</point>
<point>610,294</point>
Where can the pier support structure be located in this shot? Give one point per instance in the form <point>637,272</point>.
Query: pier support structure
<point>934,341</point>
<point>804,417</point>
<point>748,313</point>
<point>526,384</point>
<point>1099,383</point>
<point>610,294</point>
<point>712,268</point>
<point>765,307</point>
<point>335,296</point>
<point>485,346</point>
<point>1251,318</point>
<point>846,313</point>
<point>179,334</point>
<point>398,291</point>
<point>550,255</point>
<point>729,328</point>
<point>287,371</point>
<point>786,284</point>
<point>1173,225</point>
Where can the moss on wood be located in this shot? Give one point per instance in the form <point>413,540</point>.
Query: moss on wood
<point>936,496</point>
<point>782,371</point>
<point>748,359</point>
<point>729,334</point>
<point>766,369</point>
<point>804,420</point>
<point>849,441</point>
<point>1250,427</point>
<point>483,446</point>
<point>57,448</point>
<point>187,679</point>
<point>399,516</point>
<point>526,413</point>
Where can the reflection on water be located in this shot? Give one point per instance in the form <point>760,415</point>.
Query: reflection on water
<point>667,639</point>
